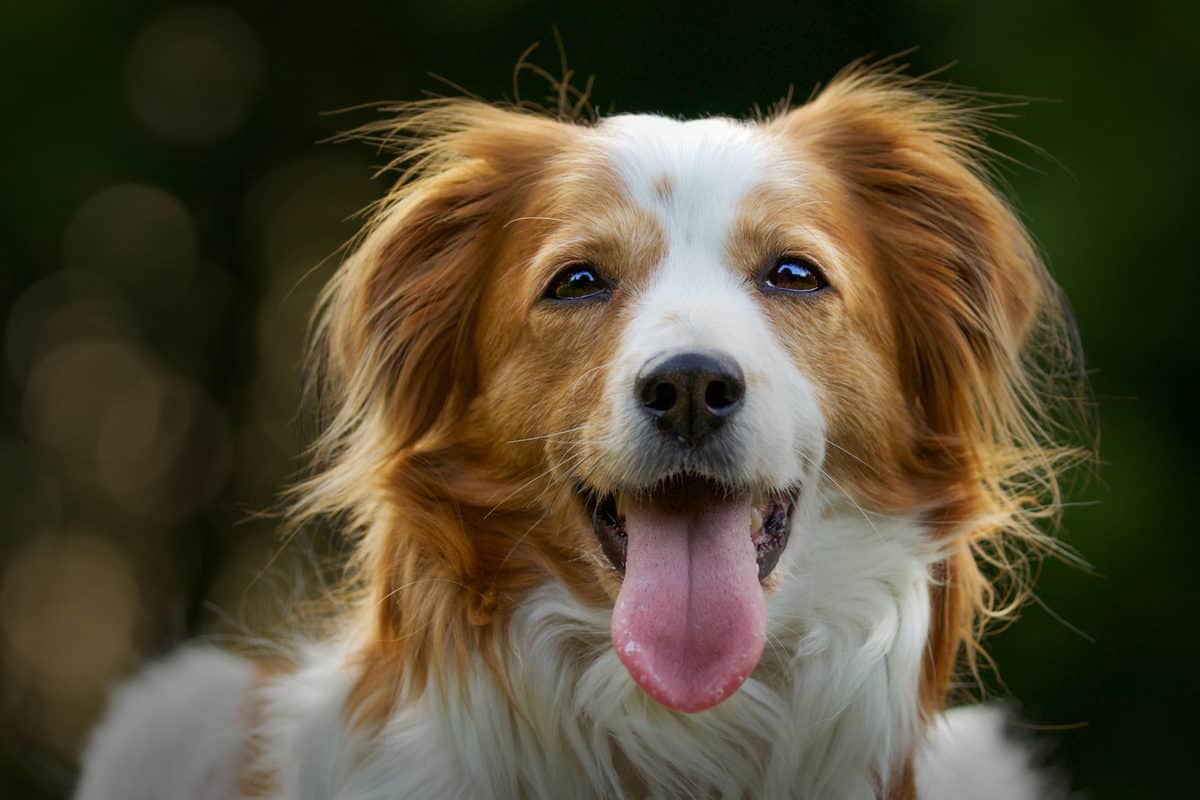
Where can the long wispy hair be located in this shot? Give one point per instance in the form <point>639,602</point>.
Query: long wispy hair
<point>992,364</point>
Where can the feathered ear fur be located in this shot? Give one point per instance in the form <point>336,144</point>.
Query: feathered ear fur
<point>979,331</point>
<point>395,366</point>
<point>395,321</point>
<point>967,280</point>
<point>394,353</point>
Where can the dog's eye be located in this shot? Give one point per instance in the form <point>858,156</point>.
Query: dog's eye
<point>577,282</point>
<point>792,274</point>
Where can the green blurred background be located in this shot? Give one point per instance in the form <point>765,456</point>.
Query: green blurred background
<point>166,200</point>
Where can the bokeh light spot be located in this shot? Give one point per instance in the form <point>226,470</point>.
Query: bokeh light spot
<point>68,608</point>
<point>194,73</point>
<point>140,236</point>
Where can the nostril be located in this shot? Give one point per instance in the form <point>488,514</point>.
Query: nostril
<point>690,395</point>
<point>721,395</point>
<point>661,398</point>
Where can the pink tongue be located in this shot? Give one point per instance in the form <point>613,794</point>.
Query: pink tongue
<point>690,620</point>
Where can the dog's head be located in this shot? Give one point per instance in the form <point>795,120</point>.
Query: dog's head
<point>639,356</point>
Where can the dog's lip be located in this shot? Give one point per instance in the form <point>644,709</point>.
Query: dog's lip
<point>774,509</point>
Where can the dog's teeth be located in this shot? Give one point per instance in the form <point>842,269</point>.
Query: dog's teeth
<point>756,520</point>
<point>620,504</point>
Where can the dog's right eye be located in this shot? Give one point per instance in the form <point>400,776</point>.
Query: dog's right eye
<point>577,282</point>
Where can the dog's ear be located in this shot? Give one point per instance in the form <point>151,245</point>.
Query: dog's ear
<point>967,283</point>
<point>985,346</point>
<point>396,323</point>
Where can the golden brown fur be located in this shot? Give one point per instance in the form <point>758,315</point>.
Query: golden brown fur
<point>449,402</point>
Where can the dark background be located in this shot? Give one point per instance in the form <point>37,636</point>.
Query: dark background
<point>165,197</point>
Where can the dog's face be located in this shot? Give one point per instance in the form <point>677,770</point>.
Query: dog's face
<point>677,340</point>
<point>700,314</point>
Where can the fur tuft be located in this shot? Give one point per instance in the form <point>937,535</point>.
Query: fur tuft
<point>177,730</point>
<point>973,752</point>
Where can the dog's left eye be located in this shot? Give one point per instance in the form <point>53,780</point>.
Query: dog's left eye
<point>791,274</point>
<point>577,282</point>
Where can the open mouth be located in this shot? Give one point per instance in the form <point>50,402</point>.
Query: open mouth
<point>690,620</point>
<point>769,523</point>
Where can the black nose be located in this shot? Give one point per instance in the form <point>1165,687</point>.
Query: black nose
<point>690,395</point>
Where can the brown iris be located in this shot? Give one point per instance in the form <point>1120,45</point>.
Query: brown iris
<point>792,274</point>
<point>577,282</point>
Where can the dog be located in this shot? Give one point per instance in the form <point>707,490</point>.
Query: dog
<point>680,459</point>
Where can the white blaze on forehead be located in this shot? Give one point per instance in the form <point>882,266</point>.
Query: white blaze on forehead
<point>692,174</point>
<point>693,177</point>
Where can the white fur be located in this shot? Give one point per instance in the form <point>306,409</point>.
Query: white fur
<point>831,706</point>
<point>831,710</point>
<point>175,731</point>
<point>698,301</point>
<point>969,754</point>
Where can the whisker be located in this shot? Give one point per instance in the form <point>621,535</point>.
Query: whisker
<point>832,443</point>
<point>777,646</point>
<point>516,543</point>
<point>845,494</point>
<point>423,579</point>
<point>587,372</point>
<point>546,435</point>
<point>544,219</point>
<point>574,459</point>
<point>543,474</point>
